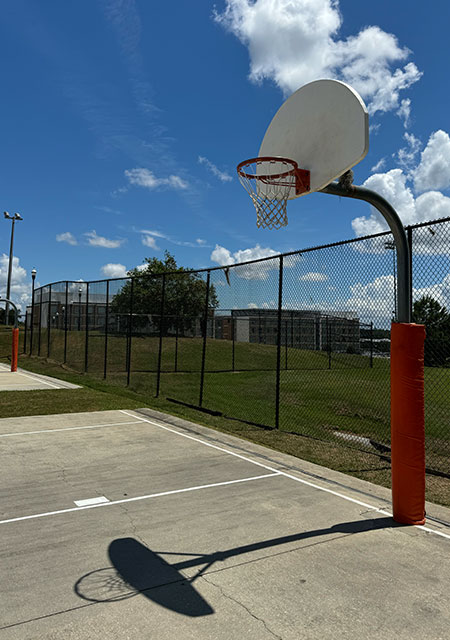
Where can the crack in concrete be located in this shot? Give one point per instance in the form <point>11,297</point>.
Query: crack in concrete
<point>241,604</point>
<point>133,525</point>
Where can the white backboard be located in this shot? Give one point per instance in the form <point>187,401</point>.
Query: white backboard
<point>324,127</point>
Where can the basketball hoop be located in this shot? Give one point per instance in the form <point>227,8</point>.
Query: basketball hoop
<point>271,182</point>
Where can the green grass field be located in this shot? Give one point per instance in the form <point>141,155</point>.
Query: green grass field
<point>320,397</point>
<point>316,402</point>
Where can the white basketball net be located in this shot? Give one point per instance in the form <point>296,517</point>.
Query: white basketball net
<point>269,184</point>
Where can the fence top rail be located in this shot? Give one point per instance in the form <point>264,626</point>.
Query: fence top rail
<point>278,256</point>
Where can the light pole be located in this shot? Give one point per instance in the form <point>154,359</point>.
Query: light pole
<point>15,217</point>
<point>79,308</point>
<point>33,278</point>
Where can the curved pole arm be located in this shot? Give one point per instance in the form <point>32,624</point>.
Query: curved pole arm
<point>401,242</point>
<point>16,314</point>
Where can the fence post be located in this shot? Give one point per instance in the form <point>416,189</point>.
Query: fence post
<point>86,344</point>
<point>49,319</point>
<point>66,312</point>
<point>205,333</point>
<point>25,333</point>
<point>161,320</point>
<point>286,345</point>
<point>371,345</point>
<point>105,355</point>
<point>280,302</point>
<point>329,342</point>
<point>40,324</point>
<point>232,343</point>
<point>292,328</point>
<point>177,320</point>
<point>130,321</point>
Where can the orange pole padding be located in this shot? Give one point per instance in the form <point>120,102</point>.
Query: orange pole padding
<point>15,349</point>
<point>408,423</point>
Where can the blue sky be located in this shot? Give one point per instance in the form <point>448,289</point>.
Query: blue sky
<point>123,122</point>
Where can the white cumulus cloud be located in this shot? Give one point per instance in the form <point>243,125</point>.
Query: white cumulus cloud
<point>433,171</point>
<point>95,240</point>
<point>20,291</point>
<point>396,186</point>
<point>145,178</point>
<point>258,271</point>
<point>293,42</point>
<point>66,237</point>
<point>114,270</point>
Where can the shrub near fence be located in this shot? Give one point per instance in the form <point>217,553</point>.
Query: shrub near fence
<point>297,342</point>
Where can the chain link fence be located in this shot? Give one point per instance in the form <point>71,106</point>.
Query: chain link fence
<point>298,342</point>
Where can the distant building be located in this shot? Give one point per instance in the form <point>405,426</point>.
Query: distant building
<point>55,310</point>
<point>301,329</point>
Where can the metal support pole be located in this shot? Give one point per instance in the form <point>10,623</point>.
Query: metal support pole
<point>40,324</point>
<point>407,375</point>
<point>105,359</point>
<point>277,384</point>
<point>400,239</point>
<point>205,332</point>
<point>8,284</point>
<point>66,312</point>
<point>86,344</point>
<point>161,321</point>
<point>25,333</point>
<point>409,232</point>
<point>33,278</point>
<point>130,321</point>
<point>49,319</point>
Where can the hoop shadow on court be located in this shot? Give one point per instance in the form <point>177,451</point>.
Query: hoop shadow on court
<point>137,570</point>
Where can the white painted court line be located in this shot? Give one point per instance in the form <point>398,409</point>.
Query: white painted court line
<point>89,501</point>
<point>282,473</point>
<point>50,384</point>
<point>137,498</point>
<point>92,426</point>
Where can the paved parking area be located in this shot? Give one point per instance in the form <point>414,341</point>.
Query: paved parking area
<point>22,380</point>
<point>133,524</point>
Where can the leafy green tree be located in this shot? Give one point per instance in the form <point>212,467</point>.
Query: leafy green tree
<point>184,294</point>
<point>436,319</point>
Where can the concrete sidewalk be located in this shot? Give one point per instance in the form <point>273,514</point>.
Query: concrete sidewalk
<point>22,380</point>
<point>133,524</point>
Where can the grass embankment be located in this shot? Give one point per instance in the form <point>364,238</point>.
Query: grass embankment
<point>315,402</point>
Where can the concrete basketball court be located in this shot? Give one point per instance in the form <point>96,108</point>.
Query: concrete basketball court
<point>22,380</point>
<point>134,524</point>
